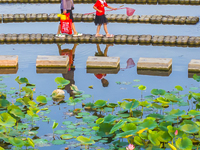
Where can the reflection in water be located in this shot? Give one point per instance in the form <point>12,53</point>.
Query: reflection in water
<point>11,70</point>
<point>130,64</point>
<point>70,74</point>
<point>155,72</point>
<point>190,74</point>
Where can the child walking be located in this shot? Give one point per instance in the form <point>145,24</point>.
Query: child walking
<point>101,18</point>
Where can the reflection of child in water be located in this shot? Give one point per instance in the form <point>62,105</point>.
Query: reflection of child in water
<point>100,53</point>
<point>70,74</point>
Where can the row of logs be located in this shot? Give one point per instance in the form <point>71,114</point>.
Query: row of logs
<point>183,2</point>
<point>117,39</point>
<point>111,18</point>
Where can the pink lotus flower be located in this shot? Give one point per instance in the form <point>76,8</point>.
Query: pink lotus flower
<point>176,132</point>
<point>130,147</point>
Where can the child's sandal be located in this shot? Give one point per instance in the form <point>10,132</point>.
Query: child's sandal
<point>98,35</point>
<point>109,35</point>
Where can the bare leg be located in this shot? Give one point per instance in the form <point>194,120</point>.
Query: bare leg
<point>58,29</point>
<point>98,29</point>
<point>74,29</point>
<point>105,28</point>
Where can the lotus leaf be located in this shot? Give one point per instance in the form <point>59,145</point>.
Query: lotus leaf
<point>130,105</point>
<point>142,87</point>
<point>117,126</point>
<point>134,120</point>
<point>190,128</point>
<point>67,122</point>
<point>153,137</point>
<point>59,131</point>
<point>179,88</point>
<point>2,129</point>
<point>143,135</point>
<point>55,124</point>
<point>61,81</point>
<point>4,103</point>
<point>136,85</point>
<point>136,80</point>
<point>16,111</point>
<point>86,96</point>
<point>196,96</point>
<point>158,92</point>
<point>112,105</point>
<point>172,130</point>
<point>89,118</point>
<point>145,104</point>
<point>163,136</point>
<point>16,142</point>
<point>1,148</point>
<point>2,95</point>
<point>109,118</point>
<point>172,97</point>
<point>85,140</point>
<point>100,103</point>
<point>21,80</point>
<point>99,121</point>
<point>163,100</point>
<point>172,146</point>
<point>66,136</point>
<point>194,113</point>
<point>194,88</point>
<point>41,142</point>
<point>177,112</point>
<point>58,142</point>
<point>129,126</point>
<point>126,134</point>
<point>142,130</point>
<point>6,120</point>
<point>157,116</point>
<point>138,140</point>
<point>30,141</point>
<point>155,105</point>
<point>41,99</point>
<point>95,128</point>
<point>148,123</point>
<point>95,137</point>
<point>185,143</point>
<point>196,77</point>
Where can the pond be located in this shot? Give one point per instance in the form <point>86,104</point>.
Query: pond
<point>121,83</point>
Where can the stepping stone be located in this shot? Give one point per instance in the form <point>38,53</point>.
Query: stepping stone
<point>194,65</point>
<point>102,62</point>
<point>52,70</point>
<point>103,71</point>
<point>155,72</point>
<point>154,63</point>
<point>52,61</point>
<point>8,61</point>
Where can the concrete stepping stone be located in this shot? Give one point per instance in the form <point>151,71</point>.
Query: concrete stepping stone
<point>102,62</point>
<point>154,63</point>
<point>52,61</point>
<point>52,70</point>
<point>155,72</point>
<point>194,65</point>
<point>8,61</point>
<point>103,71</point>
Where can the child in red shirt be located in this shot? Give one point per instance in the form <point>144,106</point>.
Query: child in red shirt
<point>101,18</point>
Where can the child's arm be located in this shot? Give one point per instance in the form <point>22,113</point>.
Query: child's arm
<point>97,9</point>
<point>111,8</point>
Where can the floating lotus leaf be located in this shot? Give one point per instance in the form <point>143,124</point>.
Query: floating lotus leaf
<point>163,100</point>
<point>130,105</point>
<point>4,103</point>
<point>179,88</point>
<point>66,136</point>
<point>61,81</point>
<point>100,103</point>
<point>142,87</point>
<point>21,80</point>
<point>138,140</point>
<point>196,96</point>
<point>148,123</point>
<point>95,128</point>
<point>16,142</point>
<point>117,126</point>
<point>6,120</point>
<point>112,105</point>
<point>145,104</point>
<point>172,146</point>
<point>86,96</point>
<point>136,85</point>
<point>158,92</point>
<point>67,122</point>
<point>157,116</point>
<point>85,140</point>
<point>41,142</point>
<point>41,99</point>
<point>155,105</point>
<point>194,88</point>
<point>109,118</point>
<point>196,77</point>
<point>30,142</point>
<point>194,113</point>
<point>136,80</point>
<point>129,126</point>
<point>143,135</point>
<point>164,136</point>
<point>16,111</point>
<point>89,118</point>
<point>96,137</point>
<point>2,129</point>
<point>153,137</point>
<point>183,104</point>
<point>186,117</point>
<point>185,143</point>
<point>172,97</point>
<point>2,95</point>
<point>107,109</point>
<point>58,142</point>
<point>99,121</point>
<point>126,134</point>
<point>190,128</point>
<point>59,131</point>
<point>172,130</point>
<point>177,112</point>
<point>134,120</point>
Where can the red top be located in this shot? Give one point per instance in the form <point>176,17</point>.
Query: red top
<point>100,4</point>
<point>100,76</point>
<point>69,54</point>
